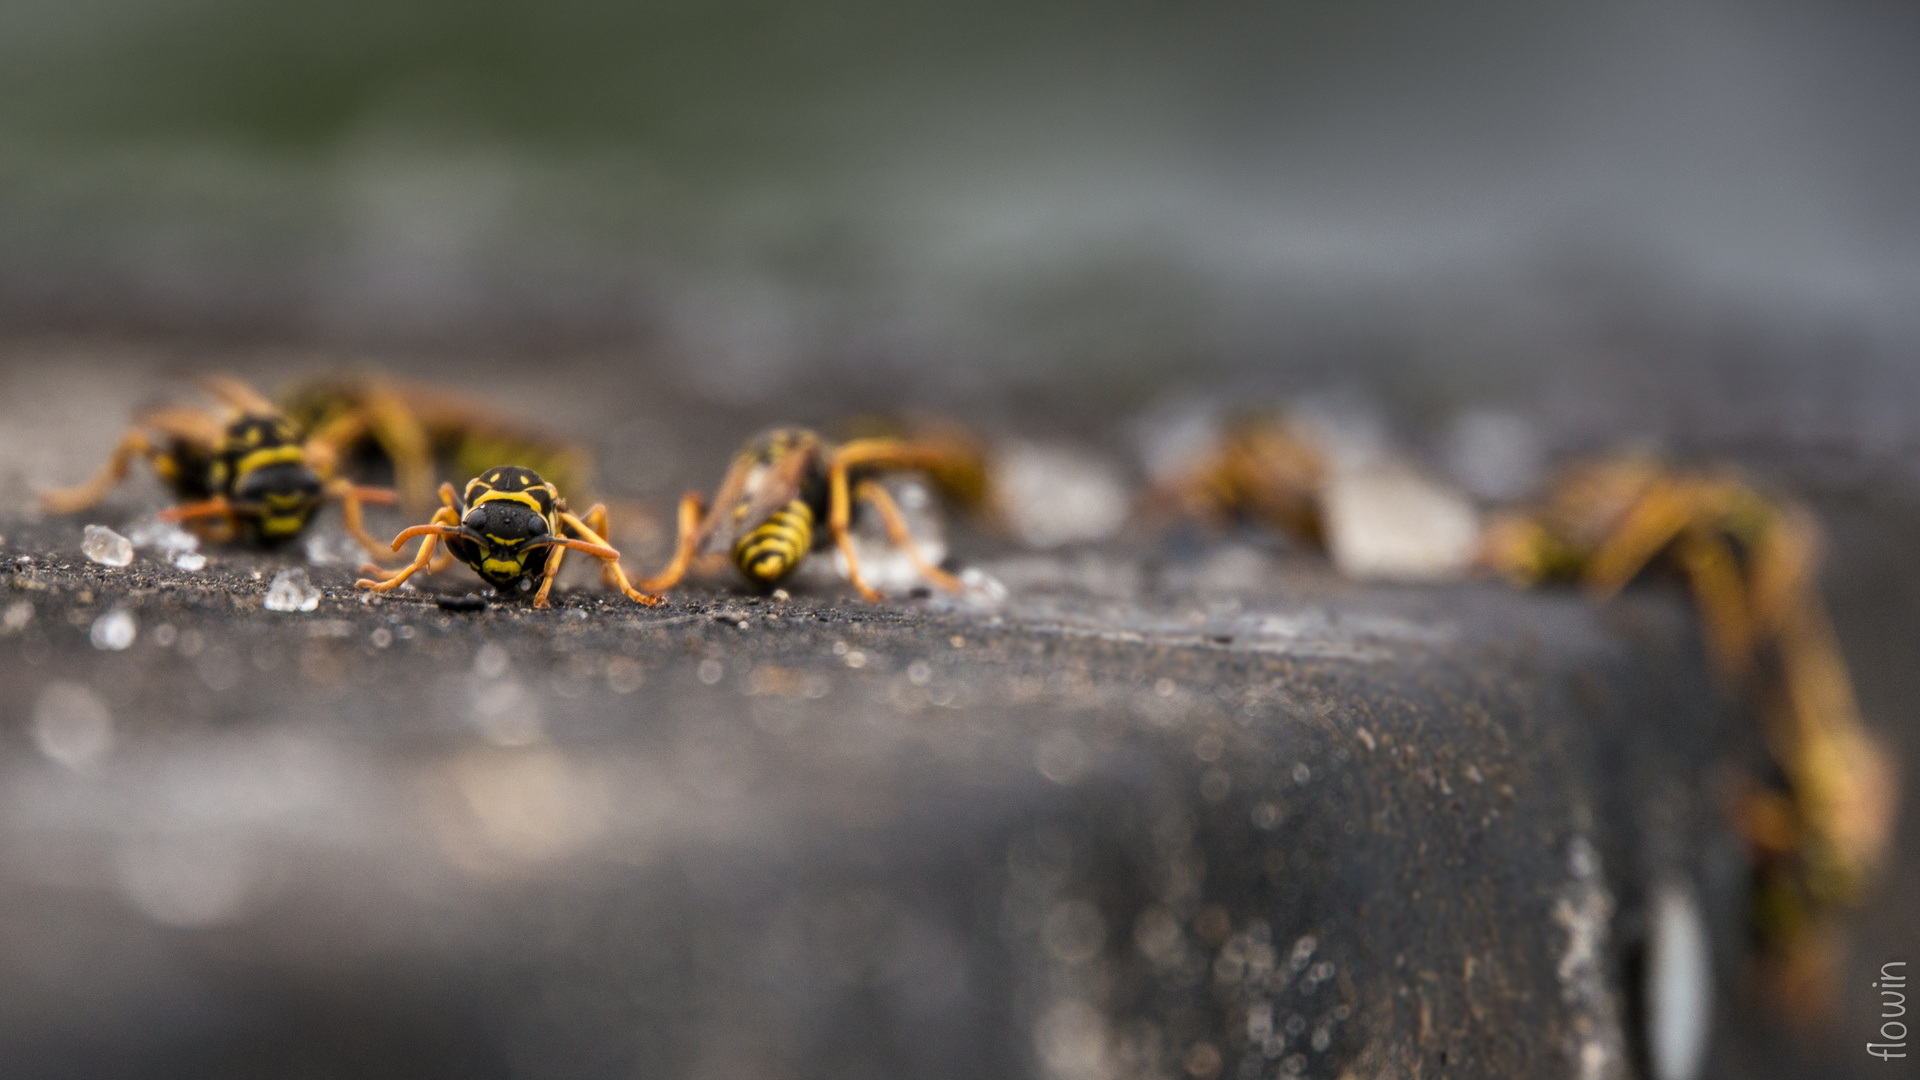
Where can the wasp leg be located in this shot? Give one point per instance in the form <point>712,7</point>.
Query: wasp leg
<point>351,497</point>
<point>73,500</point>
<point>695,523</point>
<point>216,507</point>
<point>839,513</point>
<point>894,454</point>
<point>1720,596</point>
<point>1655,520</point>
<point>445,520</point>
<point>444,523</point>
<point>882,501</point>
<point>397,428</point>
<point>610,570</point>
<point>593,545</point>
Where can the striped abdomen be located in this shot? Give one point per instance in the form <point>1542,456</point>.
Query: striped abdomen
<point>771,551</point>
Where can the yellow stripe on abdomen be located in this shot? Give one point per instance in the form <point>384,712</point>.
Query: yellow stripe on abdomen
<point>771,551</point>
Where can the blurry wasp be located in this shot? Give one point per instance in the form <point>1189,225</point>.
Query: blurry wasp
<point>1259,470</point>
<point>414,430</point>
<point>511,527</point>
<point>779,488</point>
<point>1752,565</point>
<point>248,474</point>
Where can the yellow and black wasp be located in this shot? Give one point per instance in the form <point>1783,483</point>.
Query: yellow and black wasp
<point>778,490</point>
<point>1820,834</point>
<point>248,474</point>
<point>513,529</point>
<point>1259,470</point>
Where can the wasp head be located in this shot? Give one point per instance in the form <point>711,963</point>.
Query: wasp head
<point>503,540</point>
<point>278,499</point>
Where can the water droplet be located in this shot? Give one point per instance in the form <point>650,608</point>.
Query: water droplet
<point>856,659</point>
<point>1302,774</point>
<point>113,631</point>
<point>106,547</point>
<point>919,672</point>
<point>712,671</point>
<point>19,614</point>
<point>71,725</point>
<point>291,591</point>
<point>382,638</point>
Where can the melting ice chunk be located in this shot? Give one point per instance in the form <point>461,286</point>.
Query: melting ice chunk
<point>164,537</point>
<point>1053,495</point>
<point>106,547</point>
<point>291,591</point>
<point>1386,522</point>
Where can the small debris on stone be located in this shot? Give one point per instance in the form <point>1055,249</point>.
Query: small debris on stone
<point>291,591</point>
<point>106,547</point>
<point>190,561</point>
<point>164,538</point>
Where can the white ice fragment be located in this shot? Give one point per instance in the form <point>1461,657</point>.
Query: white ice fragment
<point>884,565</point>
<point>162,537</point>
<point>1679,990</point>
<point>290,591</point>
<point>71,725</point>
<point>113,631</point>
<point>1385,521</point>
<point>106,547</point>
<point>328,548</point>
<point>190,561</point>
<point>1051,495</point>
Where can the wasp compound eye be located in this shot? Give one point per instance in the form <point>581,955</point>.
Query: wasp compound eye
<point>536,525</point>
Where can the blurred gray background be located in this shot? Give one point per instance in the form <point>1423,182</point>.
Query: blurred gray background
<point>1641,216</point>
<point>1688,225</point>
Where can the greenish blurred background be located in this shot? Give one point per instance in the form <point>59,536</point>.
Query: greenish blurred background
<point>1475,199</point>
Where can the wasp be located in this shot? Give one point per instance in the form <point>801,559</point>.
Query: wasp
<point>1258,470</point>
<point>249,473</point>
<point>513,529</point>
<point>781,485</point>
<point>413,429</point>
<point>1752,565</point>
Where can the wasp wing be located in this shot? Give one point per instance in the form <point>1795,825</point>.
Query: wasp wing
<point>775,486</point>
<point>237,395</point>
<point>186,425</point>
